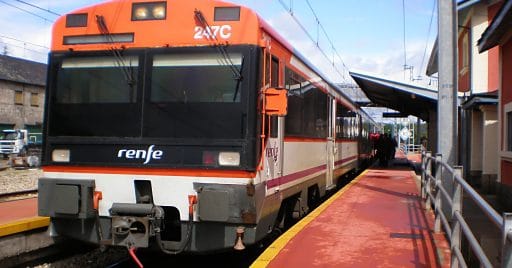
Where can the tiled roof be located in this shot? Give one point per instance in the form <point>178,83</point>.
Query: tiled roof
<point>22,71</point>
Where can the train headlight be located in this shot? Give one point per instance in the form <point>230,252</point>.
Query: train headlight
<point>229,158</point>
<point>159,12</point>
<point>141,13</point>
<point>149,11</point>
<point>61,155</point>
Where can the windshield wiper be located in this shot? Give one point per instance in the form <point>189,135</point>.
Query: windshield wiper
<point>239,78</point>
<point>221,48</point>
<point>120,61</point>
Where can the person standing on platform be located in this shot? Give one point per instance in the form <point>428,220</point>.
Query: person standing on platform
<point>393,145</point>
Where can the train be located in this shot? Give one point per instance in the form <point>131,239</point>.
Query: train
<point>187,127</point>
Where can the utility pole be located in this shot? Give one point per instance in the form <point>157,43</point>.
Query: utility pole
<point>447,93</point>
<point>447,86</point>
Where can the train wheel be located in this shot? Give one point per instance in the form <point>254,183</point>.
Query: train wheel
<point>313,197</point>
<point>286,216</point>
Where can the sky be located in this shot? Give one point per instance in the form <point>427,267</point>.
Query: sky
<point>367,36</point>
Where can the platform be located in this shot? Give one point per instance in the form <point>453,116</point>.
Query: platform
<point>20,216</point>
<point>378,220</point>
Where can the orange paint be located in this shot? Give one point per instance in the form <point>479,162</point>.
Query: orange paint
<point>177,30</point>
<point>155,171</point>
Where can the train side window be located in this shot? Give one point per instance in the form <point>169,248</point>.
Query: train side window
<point>273,126</point>
<point>315,112</point>
<point>339,121</point>
<point>309,111</point>
<point>275,72</point>
<point>322,108</point>
<point>294,119</point>
<point>272,72</point>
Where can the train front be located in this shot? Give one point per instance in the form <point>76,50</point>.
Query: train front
<point>151,126</point>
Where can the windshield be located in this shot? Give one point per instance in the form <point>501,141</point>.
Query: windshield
<point>184,95</point>
<point>196,96</point>
<point>96,96</point>
<point>193,78</point>
<point>10,136</point>
<point>96,80</point>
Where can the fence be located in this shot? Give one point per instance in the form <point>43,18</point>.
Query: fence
<point>455,225</point>
<point>411,148</point>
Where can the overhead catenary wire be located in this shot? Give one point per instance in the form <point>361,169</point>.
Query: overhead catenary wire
<point>24,48</point>
<point>312,39</point>
<point>26,11</point>
<point>38,7</point>
<point>428,36</point>
<point>24,42</point>
<point>405,47</point>
<point>326,35</point>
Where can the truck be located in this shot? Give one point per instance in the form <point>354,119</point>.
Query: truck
<point>17,143</point>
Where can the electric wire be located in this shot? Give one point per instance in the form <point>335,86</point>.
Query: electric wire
<point>428,36</point>
<point>24,48</point>
<point>26,11</point>
<point>38,7</point>
<point>319,24</point>
<point>326,35</point>
<point>24,42</point>
<point>405,47</point>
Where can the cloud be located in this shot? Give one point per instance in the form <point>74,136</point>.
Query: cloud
<point>388,64</point>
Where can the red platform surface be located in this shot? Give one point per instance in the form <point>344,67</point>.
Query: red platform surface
<point>18,210</point>
<point>415,158</point>
<point>377,221</point>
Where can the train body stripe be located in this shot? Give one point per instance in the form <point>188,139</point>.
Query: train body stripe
<point>157,172</point>
<point>342,161</point>
<point>301,174</point>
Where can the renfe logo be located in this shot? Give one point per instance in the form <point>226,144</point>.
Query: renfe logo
<point>141,154</point>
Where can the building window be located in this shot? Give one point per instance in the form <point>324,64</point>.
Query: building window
<point>509,131</point>
<point>18,97</point>
<point>34,99</point>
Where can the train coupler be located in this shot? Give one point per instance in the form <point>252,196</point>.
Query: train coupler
<point>132,224</point>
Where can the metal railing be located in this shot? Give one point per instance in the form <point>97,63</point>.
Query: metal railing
<point>455,226</point>
<point>411,148</point>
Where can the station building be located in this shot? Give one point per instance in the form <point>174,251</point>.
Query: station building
<point>497,37</point>
<point>22,94</point>
<point>478,87</point>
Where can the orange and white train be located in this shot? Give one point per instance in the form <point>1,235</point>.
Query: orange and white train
<point>187,126</point>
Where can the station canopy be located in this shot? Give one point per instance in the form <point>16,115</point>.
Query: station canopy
<point>404,98</point>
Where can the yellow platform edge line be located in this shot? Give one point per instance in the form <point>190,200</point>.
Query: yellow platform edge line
<point>271,252</point>
<point>23,225</point>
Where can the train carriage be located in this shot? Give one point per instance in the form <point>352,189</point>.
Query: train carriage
<point>187,126</point>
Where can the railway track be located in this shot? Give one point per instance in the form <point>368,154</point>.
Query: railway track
<point>17,195</point>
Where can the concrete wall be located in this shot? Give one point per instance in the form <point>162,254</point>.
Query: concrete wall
<point>25,114</point>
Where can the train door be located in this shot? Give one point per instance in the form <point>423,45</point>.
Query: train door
<point>275,142</point>
<point>331,144</point>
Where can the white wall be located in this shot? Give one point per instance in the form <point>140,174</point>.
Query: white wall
<point>479,66</point>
